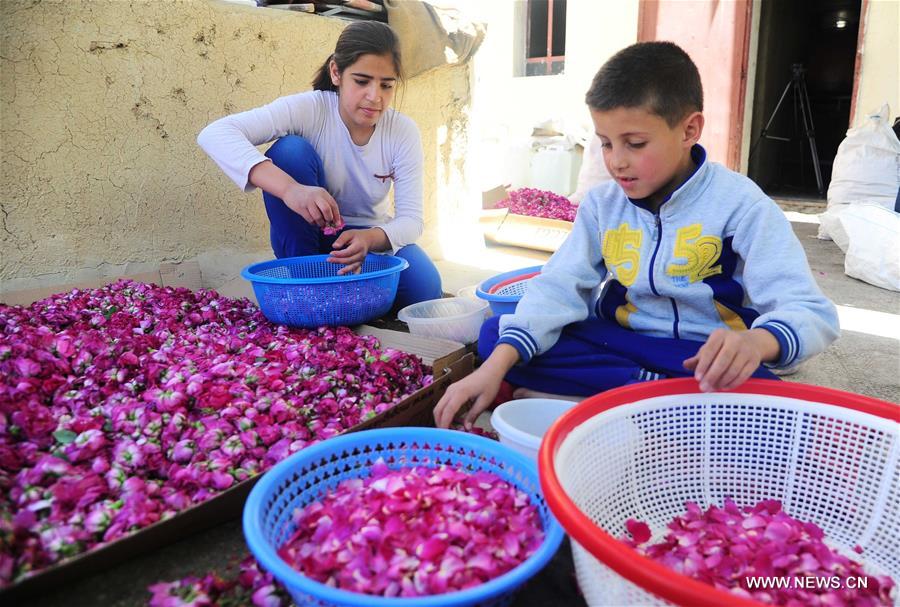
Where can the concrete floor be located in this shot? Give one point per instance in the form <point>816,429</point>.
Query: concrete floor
<point>866,360</point>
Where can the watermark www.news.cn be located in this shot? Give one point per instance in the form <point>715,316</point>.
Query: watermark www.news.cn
<point>807,582</point>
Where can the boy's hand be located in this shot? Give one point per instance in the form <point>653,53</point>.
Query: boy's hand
<point>481,387</point>
<point>728,358</point>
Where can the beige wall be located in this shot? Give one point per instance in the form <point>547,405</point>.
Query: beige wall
<point>595,30</point>
<point>879,74</point>
<point>101,102</point>
<point>506,105</point>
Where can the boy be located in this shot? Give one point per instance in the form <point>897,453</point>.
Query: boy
<point>701,272</point>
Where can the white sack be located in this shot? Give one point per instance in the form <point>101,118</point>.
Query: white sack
<point>873,252</point>
<point>866,168</point>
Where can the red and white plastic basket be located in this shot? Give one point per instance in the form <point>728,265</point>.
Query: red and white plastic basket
<point>642,451</point>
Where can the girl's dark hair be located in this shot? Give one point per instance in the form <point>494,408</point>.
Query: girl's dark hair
<point>358,39</point>
<point>658,76</point>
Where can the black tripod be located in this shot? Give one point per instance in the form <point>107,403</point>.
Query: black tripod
<point>797,84</point>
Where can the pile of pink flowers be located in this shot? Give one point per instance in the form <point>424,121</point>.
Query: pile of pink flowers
<point>539,203</point>
<point>485,432</point>
<point>122,406</point>
<point>732,548</point>
<point>250,586</point>
<point>414,532</point>
<point>333,228</point>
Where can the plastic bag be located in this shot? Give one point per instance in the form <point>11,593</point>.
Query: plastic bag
<point>873,244</point>
<point>866,168</point>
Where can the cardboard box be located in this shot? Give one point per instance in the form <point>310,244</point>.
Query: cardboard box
<point>449,362</point>
<point>502,227</point>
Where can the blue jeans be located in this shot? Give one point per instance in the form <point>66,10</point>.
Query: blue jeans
<point>292,236</point>
<point>595,355</point>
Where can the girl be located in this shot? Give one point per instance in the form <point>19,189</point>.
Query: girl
<point>339,148</point>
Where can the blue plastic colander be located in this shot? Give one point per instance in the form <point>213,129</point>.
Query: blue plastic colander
<point>305,477</point>
<point>307,291</point>
<point>505,299</point>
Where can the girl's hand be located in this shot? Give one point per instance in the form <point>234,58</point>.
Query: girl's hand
<point>351,248</point>
<point>728,358</point>
<point>312,203</point>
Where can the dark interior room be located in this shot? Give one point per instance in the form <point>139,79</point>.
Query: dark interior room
<point>807,50</point>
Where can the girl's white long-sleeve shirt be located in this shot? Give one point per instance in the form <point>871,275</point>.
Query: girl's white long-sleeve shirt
<point>359,177</point>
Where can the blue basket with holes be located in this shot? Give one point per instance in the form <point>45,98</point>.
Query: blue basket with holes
<point>307,475</point>
<point>307,291</point>
<point>503,291</point>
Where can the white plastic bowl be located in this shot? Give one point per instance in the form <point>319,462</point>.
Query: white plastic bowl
<point>469,293</point>
<point>522,423</point>
<point>455,318</point>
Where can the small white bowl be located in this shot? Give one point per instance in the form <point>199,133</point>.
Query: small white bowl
<point>521,424</point>
<point>469,293</point>
<point>455,318</point>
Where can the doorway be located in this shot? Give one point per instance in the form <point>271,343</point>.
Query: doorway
<point>807,44</point>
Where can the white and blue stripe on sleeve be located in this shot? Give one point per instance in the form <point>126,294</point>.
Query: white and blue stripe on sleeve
<point>521,341</point>
<point>787,342</point>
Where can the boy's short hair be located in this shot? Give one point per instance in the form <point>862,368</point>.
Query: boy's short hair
<point>658,76</point>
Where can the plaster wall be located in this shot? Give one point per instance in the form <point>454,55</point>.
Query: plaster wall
<point>100,105</point>
<point>879,74</point>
